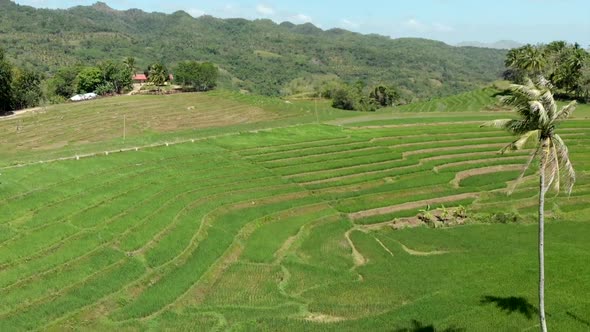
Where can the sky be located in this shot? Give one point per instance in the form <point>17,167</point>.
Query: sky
<point>451,21</point>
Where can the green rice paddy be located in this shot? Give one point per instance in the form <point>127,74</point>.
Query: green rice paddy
<point>274,222</point>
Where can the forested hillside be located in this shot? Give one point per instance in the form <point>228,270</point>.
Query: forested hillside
<point>259,56</point>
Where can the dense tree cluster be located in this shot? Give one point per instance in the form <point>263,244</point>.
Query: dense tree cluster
<point>566,66</point>
<point>359,97</point>
<point>107,77</point>
<point>19,88</point>
<point>23,87</point>
<point>196,76</point>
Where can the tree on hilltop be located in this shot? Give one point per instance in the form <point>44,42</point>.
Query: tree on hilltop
<point>539,117</point>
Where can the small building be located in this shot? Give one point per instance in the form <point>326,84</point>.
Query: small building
<point>139,78</point>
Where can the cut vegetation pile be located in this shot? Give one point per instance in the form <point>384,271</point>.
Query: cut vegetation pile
<point>305,227</point>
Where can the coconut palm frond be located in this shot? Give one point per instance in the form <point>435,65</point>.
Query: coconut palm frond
<point>520,127</point>
<point>566,111</point>
<point>529,84</point>
<point>514,100</point>
<point>538,109</point>
<point>557,183</point>
<point>565,163</point>
<point>551,165</point>
<point>570,176</point>
<point>520,143</point>
<point>544,83</point>
<point>528,91</point>
<point>549,103</point>
<point>499,123</point>
<point>518,180</point>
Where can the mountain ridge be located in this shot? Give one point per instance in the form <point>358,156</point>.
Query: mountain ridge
<point>83,35</point>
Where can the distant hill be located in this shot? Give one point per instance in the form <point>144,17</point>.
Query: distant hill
<point>259,56</point>
<point>500,45</point>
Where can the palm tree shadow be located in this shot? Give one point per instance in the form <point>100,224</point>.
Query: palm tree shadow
<point>578,319</point>
<point>419,327</point>
<point>512,304</point>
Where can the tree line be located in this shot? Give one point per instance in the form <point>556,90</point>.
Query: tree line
<point>23,88</point>
<point>567,66</point>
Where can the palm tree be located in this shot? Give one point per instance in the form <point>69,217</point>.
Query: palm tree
<point>539,118</point>
<point>157,74</point>
<point>129,62</point>
<point>531,59</point>
<point>512,57</point>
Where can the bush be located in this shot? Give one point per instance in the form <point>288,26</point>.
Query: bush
<point>105,89</point>
<point>343,99</point>
<point>498,218</point>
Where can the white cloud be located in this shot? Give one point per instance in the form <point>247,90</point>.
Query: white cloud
<point>194,12</point>
<point>414,24</point>
<point>264,10</point>
<point>349,24</point>
<point>300,18</point>
<point>418,26</point>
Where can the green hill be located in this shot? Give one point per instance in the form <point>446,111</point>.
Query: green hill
<point>260,56</point>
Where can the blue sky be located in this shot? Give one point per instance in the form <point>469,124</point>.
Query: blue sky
<point>452,21</point>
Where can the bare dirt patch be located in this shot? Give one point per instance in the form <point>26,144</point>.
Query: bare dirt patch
<point>410,205</point>
<point>323,318</point>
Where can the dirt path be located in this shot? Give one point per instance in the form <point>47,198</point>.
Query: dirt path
<point>358,258</point>
<point>422,253</point>
<point>136,88</point>
<point>383,246</point>
<point>20,113</point>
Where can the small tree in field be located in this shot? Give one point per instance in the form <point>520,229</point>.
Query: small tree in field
<point>539,117</point>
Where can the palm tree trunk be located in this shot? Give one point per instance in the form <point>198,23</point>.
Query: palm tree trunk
<point>542,246</point>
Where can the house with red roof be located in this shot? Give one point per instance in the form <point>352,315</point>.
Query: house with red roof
<point>139,78</point>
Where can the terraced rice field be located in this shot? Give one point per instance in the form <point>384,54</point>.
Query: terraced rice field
<point>305,227</point>
<point>129,121</point>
